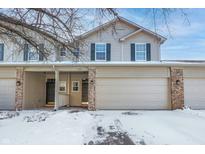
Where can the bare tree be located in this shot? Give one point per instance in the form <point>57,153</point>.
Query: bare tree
<point>56,27</point>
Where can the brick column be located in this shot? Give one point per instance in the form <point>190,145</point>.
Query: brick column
<point>177,88</point>
<point>91,88</point>
<point>19,88</point>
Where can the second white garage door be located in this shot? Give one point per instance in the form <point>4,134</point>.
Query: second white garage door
<point>132,93</point>
<point>194,93</point>
<point>7,93</point>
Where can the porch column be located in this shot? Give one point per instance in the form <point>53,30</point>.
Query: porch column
<point>56,89</point>
<point>91,88</point>
<point>19,88</point>
<point>177,88</point>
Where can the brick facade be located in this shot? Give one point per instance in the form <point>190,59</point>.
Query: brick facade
<point>91,88</point>
<point>19,88</point>
<point>177,88</point>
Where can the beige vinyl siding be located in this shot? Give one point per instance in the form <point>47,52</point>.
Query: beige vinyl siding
<point>142,37</point>
<point>132,72</point>
<point>7,73</point>
<point>76,96</point>
<point>107,35</point>
<point>198,72</point>
<point>34,90</point>
<point>132,88</point>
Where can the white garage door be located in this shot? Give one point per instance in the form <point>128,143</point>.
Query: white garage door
<point>194,93</point>
<point>7,93</point>
<point>132,93</point>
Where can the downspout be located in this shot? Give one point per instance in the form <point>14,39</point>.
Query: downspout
<point>56,88</point>
<point>122,51</point>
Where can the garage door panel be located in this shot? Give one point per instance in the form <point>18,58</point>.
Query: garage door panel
<point>194,93</point>
<point>129,93</point>
<point>7,93</point>
<point>138,82</point>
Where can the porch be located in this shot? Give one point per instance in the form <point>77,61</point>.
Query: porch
<point>45,88</point>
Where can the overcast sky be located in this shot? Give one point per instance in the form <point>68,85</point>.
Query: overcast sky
<point>187,39</point>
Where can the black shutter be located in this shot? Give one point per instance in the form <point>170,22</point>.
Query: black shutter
<point>1,52</point>
<point>132,52</point>
<point>92,52</point>
<point>148,48</point>
<point>25,55</point>
<point>108,54</point>
<point>41,52</point>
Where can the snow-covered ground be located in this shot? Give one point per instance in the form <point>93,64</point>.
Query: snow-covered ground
<point>75,126</point>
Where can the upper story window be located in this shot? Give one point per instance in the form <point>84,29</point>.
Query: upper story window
<point>76,52</point>
<point>31,53</point>
<point>140,52</point>
<point>1,51</point>
<point>100,52</point>
<point>63,52</point>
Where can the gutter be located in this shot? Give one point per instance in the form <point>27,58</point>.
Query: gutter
<point>104,64</point>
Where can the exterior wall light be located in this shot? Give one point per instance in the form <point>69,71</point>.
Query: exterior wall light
<point>177,82</point>
<point>18,83</point>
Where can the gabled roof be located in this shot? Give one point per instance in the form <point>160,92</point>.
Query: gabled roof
<point>140,28</point>
<point>131,34</point>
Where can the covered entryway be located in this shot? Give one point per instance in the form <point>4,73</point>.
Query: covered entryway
<point>194,93</point>
<point>7,94</point>
<point>54,88</point>
<point>128,89</point>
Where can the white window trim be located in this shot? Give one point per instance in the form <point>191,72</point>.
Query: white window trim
<point>100,51</point>
<point>33,59</point>
<point>78,86</point>
<point>63,84</point>
<point>35,52</point>
<point>61,55</point>
<point>141,51</point>
<point>65,53</point>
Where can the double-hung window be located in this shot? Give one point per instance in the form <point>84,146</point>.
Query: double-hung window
<point>75,86</point>
<point>62,52</point>
<point>140,52</point>
<point>100,51</point>
<point>32,54</point>
<point>1,51</point>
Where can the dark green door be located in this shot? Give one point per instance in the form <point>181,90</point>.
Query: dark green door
<point>85,90</point>
<point>50,91</point>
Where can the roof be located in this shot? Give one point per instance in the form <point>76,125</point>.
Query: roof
<point>162,38</point>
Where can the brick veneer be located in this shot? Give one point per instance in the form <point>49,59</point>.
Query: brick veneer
<point>19,88</point>
<point>91,88</point>
<point>177,88</point>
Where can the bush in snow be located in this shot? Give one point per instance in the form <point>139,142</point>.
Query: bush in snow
<point>8,114</point>
<point>37,117</point>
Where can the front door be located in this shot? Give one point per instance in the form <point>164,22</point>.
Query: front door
<point>85,90</point>
<point>50,91</point>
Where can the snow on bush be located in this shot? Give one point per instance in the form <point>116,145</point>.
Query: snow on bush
<point>8,114</point>
<point>37,117</point>
<point>193,112</point>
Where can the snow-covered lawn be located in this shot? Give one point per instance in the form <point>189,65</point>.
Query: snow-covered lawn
<point>75,126</point>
